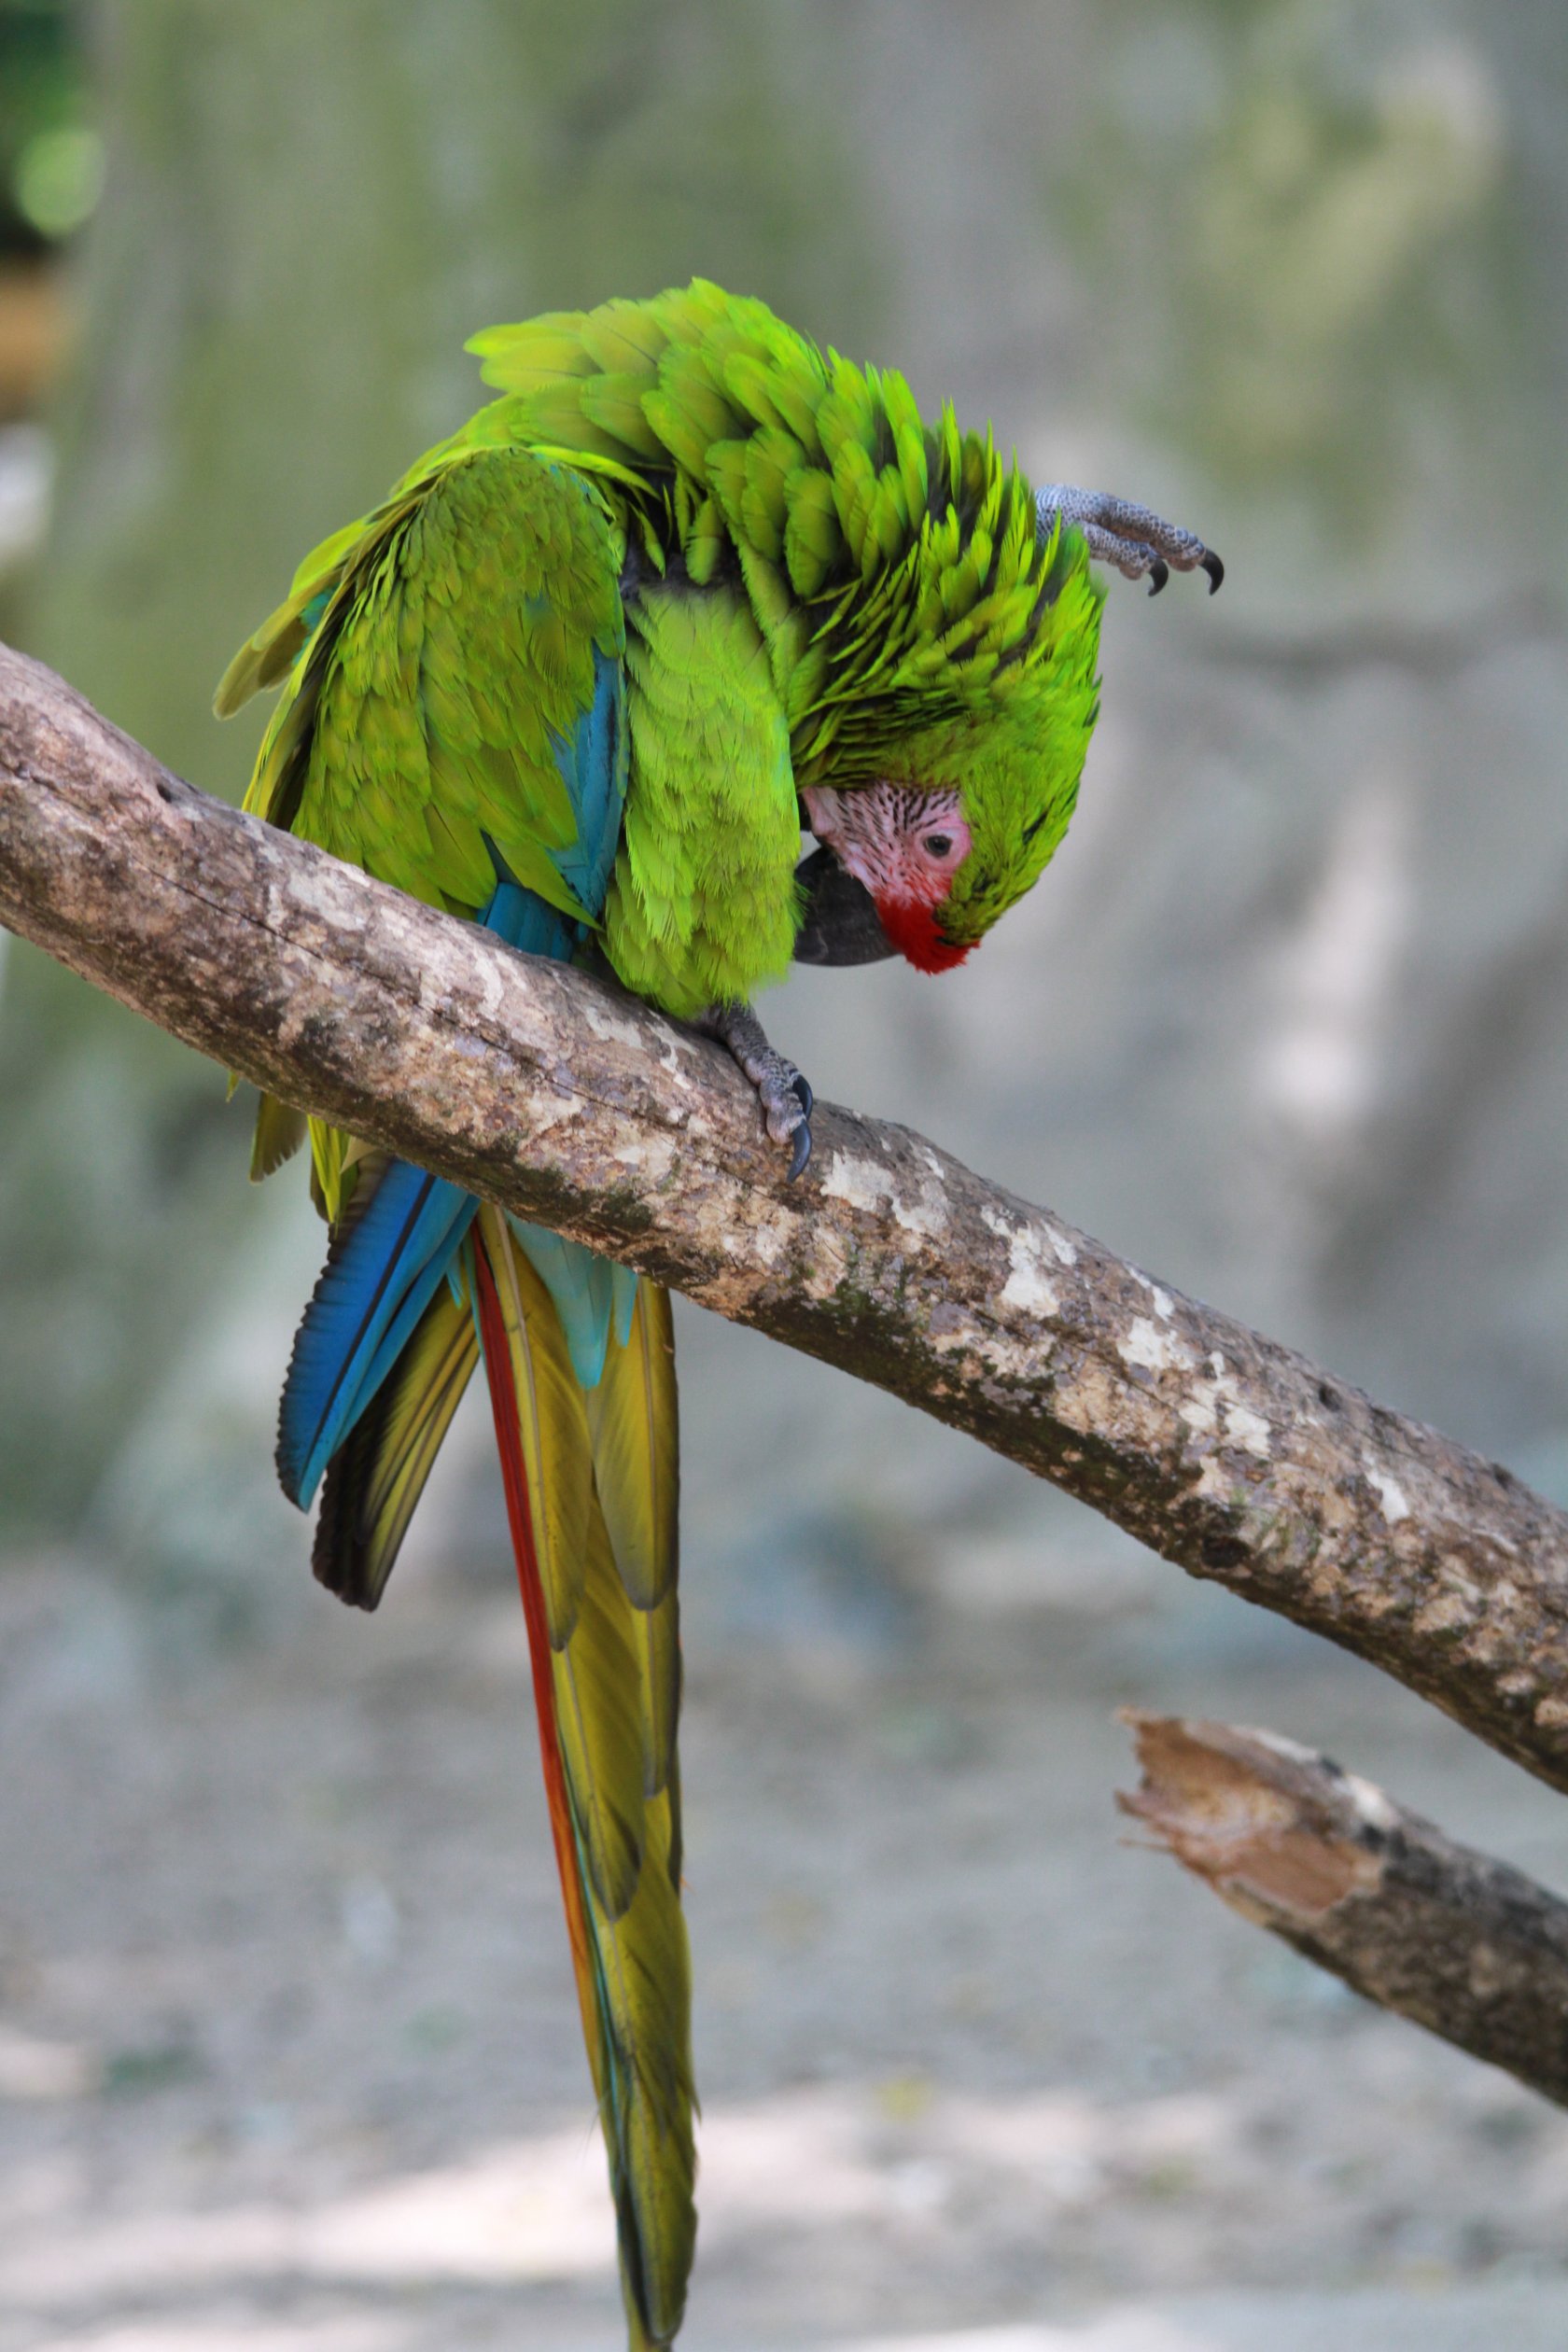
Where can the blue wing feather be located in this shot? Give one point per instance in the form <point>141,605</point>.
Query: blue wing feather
<point>593,766</point>
<point>388,1264</point>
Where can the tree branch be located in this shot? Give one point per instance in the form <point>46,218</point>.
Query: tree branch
<point>547,1090</point>
<point>1465,1946</point>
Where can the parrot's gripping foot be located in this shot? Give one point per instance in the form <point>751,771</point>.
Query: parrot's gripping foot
<point>1132,537</point>
<point>783,1093</point>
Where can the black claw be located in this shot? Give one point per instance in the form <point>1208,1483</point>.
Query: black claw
<point>802,1151</point>
<point>1215,571</point>
<point>799,1087</point>
<point>1159,572</point>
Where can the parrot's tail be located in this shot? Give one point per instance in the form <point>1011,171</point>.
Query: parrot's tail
<point>591,1477</point>
<point>419,1283</point>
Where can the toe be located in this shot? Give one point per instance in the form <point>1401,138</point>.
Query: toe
<point>1134,558</point>
<point>1139,542</point>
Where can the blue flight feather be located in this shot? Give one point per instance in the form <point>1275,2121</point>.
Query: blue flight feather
<point>388,1263</point>
<point>377,1281</point>
<point>592,762</point>
<point>591,1295</point>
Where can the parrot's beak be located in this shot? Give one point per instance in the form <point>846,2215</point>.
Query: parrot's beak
<point>839,922</point>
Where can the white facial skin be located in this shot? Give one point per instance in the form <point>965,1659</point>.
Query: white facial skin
<point>905,845</point>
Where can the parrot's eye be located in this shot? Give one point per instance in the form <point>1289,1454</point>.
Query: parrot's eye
<point>938,845</point>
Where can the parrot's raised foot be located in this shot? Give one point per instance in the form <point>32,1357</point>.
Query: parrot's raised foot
<point>1132,537</point>
<point>783,1093</point>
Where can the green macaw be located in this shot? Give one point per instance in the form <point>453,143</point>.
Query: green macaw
<point>686,583</point>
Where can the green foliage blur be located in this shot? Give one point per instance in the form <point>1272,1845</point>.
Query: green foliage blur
<point>51,176</point>
<point>1313,216</point>
<point>51,155</point>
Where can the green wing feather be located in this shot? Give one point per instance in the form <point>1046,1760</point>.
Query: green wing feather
<point>454,647</point>
<point>466,656</point>
<point>280,1131</point>
<point>454,651</point>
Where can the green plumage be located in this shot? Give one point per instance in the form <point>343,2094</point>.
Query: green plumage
<point>679,516</point>
<point>702,905</point>
<point>912,624</point>
<point>917,629</point>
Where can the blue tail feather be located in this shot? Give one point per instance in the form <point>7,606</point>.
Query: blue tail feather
<point>592,1295</point>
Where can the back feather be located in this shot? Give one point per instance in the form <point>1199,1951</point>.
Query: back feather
<point>894,567</point>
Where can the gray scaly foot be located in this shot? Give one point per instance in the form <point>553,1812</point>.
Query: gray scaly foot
<point>783,1093</point>
<point>1134,539</point>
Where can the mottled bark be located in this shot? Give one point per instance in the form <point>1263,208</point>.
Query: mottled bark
<point>547,1090</point>
<point>1459,1943</point>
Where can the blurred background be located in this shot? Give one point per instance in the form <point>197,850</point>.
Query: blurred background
<point>288,2048</point>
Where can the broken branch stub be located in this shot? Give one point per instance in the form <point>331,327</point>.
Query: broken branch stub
<point>1464,1945</point>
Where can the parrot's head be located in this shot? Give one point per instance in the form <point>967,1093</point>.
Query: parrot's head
<point>940,718</point>
<point>941,858</point>
<point>903,846</point>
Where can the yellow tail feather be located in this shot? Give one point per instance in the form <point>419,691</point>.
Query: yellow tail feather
<point>602,1556</point>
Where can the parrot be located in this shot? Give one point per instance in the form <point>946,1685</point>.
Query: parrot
<point>686,588</point>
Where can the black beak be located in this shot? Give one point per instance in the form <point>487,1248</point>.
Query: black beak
<point>839,922</point>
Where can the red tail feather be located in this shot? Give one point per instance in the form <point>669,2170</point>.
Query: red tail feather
<point>514,1476</point>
